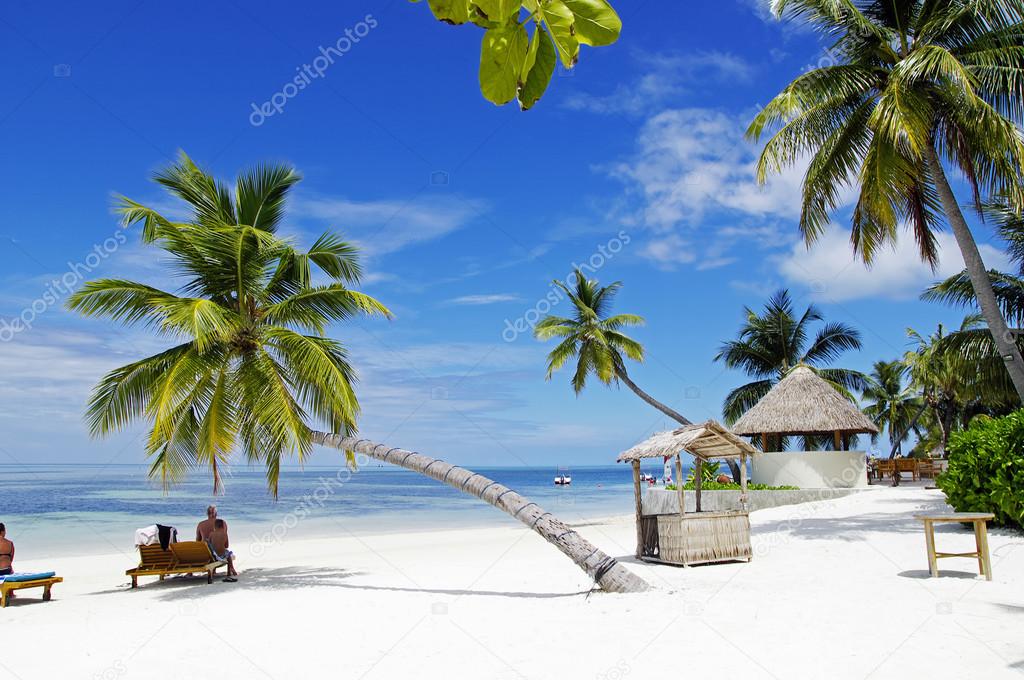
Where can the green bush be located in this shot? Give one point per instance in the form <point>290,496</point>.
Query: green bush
<point>718,486</point>
<point>986,469</point>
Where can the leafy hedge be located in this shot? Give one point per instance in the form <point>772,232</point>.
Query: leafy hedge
<point>986,469</point>
<point>718,486</point>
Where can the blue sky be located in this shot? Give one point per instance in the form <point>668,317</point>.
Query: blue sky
<point>465,211</point>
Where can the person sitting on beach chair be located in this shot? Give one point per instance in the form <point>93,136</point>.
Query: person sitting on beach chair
<point>219,546</point>
<point>205,528</point>
<point>6,552</point>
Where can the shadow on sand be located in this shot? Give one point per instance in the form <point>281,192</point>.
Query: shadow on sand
<point>943,573</point>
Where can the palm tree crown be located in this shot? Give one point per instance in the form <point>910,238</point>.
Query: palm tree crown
<point>251,368</point>
<point>892,404</point>
<point>775,341</point>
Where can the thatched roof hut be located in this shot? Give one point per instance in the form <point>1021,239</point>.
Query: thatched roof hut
<point>707,440</point>
<point>803,403</point>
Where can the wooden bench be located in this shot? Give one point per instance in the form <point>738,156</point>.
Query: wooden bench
<point>188,558</point>
<point>978,519</point>
<point>7,587</point>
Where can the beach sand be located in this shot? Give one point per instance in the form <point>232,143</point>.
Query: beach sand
<point>837,589</point>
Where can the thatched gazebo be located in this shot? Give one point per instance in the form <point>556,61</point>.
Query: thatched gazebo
<point>803,403</point>
<point>696,537</point>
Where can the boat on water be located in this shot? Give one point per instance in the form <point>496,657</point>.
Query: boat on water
<point>562,477</point>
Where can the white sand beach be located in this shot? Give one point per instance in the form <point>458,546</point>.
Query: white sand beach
<point>837,589</point>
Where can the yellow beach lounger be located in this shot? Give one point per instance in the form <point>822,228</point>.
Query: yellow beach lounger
<point>22,581</point>
<point>189,557</point>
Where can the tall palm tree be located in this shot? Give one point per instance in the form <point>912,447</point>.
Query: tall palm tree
<point>775,341</point>
<point>595,340</point>
<point>941,376</point>
<point>252,370</point>
<point>891,403</point>
<point>918,83</point>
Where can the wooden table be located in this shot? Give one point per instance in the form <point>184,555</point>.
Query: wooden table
<point>978,519</point>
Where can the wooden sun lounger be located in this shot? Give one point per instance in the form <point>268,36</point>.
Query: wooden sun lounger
<point>189,557</point>
<point>45,583</point>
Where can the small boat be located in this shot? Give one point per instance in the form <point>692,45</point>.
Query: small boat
<point>645,477</point>
<point>562,477</point>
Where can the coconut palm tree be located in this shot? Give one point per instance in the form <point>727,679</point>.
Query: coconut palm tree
<point>775,341</point>
<point>942,377</point>
<point>917,85</point>
<point>251,370</point>
<point>891,403</point>
<point>595,340</point>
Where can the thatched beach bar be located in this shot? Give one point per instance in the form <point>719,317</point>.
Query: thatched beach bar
<point>689,538</point>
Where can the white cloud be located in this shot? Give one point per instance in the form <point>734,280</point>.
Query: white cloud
<point>665,76</point>
<point>668,251</point>
<point>387,226</point>
<point>478,300</point>
<point>831,271</point>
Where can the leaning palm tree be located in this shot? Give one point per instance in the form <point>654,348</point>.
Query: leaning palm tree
<point>595,340</point>
<point>918,85</point>
<point>251,370</point>
<point>776,340</point>
<point>891,403</point>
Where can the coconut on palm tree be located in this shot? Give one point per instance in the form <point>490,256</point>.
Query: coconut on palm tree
<point>891,402</point>
<point>773,342</point>
<point>919,86</point>
<point>251,370</point>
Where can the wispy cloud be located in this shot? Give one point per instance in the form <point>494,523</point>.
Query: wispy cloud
<point>389,225</point>
<point>830,271</point>
<point>665,77</point>
<point>479,300</point>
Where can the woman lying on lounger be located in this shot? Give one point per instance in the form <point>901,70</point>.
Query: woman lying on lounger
<point>6,553</point>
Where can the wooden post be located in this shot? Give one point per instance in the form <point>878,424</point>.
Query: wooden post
<point>743,480</point>
<point>698,474</point>
<point>836,440</point>
<point>639,509</point>
<point>764,441</point>
<point>679,485</point>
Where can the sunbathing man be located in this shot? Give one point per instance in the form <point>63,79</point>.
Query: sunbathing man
<point>219,545</point>
<point>6,553</point>
<point>205,528</point>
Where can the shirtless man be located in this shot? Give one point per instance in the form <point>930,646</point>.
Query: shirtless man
<point>6,553</point>
<point>219,546</point>
<point>205,528</point>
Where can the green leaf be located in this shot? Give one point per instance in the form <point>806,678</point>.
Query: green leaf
<point>559,19</point>
<point>451,11</point>
<point>538,69</point>
<point>499,11</point>
<point>501,61</point>
<point>596,22</point>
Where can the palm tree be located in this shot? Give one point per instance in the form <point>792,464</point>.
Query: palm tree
<point>942,377</point>
<point>891,404</point>
<point>595,340</point>
<point>772,343</point>
<point>917,83</point>
<point>252,370</point>
<point>597,343</point>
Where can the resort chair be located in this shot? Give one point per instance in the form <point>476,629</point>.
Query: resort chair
<point>886,467</point>
<point>927,468</point>
<point>190,557</point>
<point>22,581</point>
<point>911,465</point>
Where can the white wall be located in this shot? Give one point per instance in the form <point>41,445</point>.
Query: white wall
<point>811,469</point>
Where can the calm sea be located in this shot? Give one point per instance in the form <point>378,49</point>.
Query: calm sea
<point>82,509</point>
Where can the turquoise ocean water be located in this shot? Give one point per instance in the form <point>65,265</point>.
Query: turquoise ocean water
<point>82,509</point>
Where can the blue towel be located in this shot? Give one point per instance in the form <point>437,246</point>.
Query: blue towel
<point>18,578</point>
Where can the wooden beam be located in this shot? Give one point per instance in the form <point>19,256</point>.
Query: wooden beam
<point>837,440</point>
<point>764,441</point>
<point>639,509</point>
<point>697,479</point>
<point>679,485</point>
<point>743,477</point>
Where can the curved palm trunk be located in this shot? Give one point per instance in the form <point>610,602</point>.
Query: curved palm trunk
<point>620,371</point>
<point>978,274</point>
<point>605,570</point>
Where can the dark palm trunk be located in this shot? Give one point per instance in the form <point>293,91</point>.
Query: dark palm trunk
<point>605,570</point>
<point>620,371</point>
<point>978,274</point>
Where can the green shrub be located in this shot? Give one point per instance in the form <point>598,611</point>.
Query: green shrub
<point>986,469</point>
<point>718,486</point>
